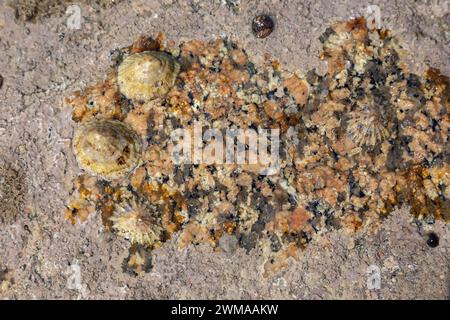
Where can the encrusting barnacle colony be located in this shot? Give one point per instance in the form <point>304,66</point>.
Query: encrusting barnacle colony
<point>147,75</point>
<point>355,143</point>
<point>107,148</point>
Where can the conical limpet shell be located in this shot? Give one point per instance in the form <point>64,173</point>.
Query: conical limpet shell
<point>137,223</point>
<point>147,75</point>
<point>367,128</point>
<point>107,148</point>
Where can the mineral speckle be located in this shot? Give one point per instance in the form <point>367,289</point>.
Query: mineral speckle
<point>6,279</point>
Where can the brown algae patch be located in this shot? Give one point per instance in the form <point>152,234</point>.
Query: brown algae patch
<point>354,143</point>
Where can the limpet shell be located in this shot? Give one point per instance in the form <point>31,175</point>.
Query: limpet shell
<point>147,75</point>
<point>137,224</point>
<point>367,128</point>
<point>107,148</point>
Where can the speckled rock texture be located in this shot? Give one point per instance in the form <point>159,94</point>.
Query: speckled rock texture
<point>45,256</point>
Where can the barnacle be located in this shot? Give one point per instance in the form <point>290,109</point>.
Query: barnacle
<point>366,127</point>
<point>147,75</point>
<point>137,223</point>
<point>106,148</point>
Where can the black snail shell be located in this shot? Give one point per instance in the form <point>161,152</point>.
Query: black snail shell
<point>262,26</point>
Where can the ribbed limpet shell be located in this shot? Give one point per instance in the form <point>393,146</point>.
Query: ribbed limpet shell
<point>367,128</point>
<point>106,148</point>
<point>147,75</point>
<point>137,224</point>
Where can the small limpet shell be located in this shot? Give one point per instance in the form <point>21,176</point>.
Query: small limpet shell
<point>137,223</point>
<point>107,148</point>
<point>367,128</point>
<point>147,75</point>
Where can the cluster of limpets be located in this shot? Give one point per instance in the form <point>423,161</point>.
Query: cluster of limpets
<point>108,148</point>
<point>356,142</point>
<point>111,149</point>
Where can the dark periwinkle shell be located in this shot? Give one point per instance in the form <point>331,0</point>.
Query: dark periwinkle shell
<point>262,26</point>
